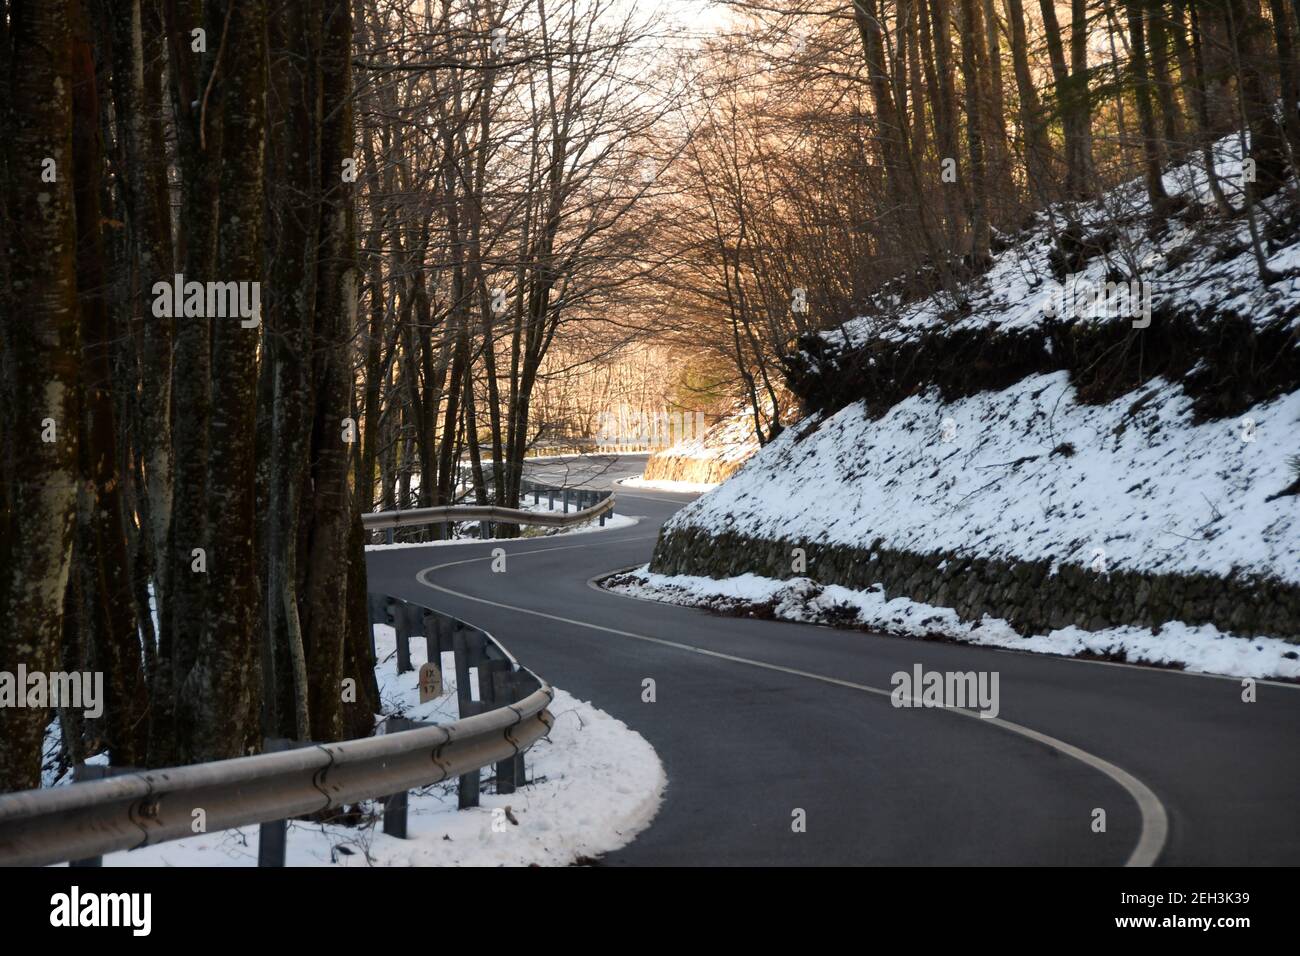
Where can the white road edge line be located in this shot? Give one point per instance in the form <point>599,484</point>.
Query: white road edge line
<point>1155,821</point>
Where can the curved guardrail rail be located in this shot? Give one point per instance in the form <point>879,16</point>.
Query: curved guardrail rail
<point>38,827</point>
<point>140,808</point>
<point>446,513</point>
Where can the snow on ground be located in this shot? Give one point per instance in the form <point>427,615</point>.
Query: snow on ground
<point>1181,264</point>
<point>663,484</point>
<point>1028,473</point>
<point>1203,649</point>
<point>594,784</point>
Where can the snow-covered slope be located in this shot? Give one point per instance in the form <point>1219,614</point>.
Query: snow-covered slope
<point>1029,473</point>
<point>1013,447</point>
<point>1103,290</point>
<point>1192,261</point>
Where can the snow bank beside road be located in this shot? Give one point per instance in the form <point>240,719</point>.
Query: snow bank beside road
<point>1202,649</point>
<point>1015,447</point>
<point>664,484</point>
<point>594,785</point>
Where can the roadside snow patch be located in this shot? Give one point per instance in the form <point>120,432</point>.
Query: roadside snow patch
<point>595,784</point>
<point>663,484</point>
<point>1202,649</point>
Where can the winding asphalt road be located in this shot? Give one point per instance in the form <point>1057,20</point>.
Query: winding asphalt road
<point>755,720</point>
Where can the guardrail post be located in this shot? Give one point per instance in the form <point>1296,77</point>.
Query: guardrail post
<point>273,837</point>
<point>494,693</point>
<point>83,772</point>
<point>432,626</point>
<point>402,624</point>
<point>510,772</point>
<point>377,606</point>
<point>446,627</point>
<point>523,683</point>
<point>468,785</point>
<point>395,804</point>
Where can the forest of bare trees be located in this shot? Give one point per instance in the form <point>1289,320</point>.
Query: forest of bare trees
<point>437,232</point>
<point>840,158</point>
<point>424,197</point>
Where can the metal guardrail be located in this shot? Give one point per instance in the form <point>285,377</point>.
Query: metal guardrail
<point>594,446</point>
<point>445,513</point>
<point>85,820</point>
<point>590,504</point>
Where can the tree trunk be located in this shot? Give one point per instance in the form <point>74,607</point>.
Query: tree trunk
<point>1037,152</point>
<point>138,52</point>
<point>975,126</point>
<point>196,104</point>
<point>326,621</point>
<point>1151,165</point>
<point>41,355</point>
<point>1072,101</point>
<point>1286,70</point>
<point>105,562</point>
<point>1188,52</point>
<point>1158,41</point>
<point>293,185</point>
<point>1267,146</point>
<point>955,195</point>
<point>217,693</point>
<point>1080,98</point>
<point>892,147</point>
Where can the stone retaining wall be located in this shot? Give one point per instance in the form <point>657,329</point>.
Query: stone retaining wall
<point>1024,593</point>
